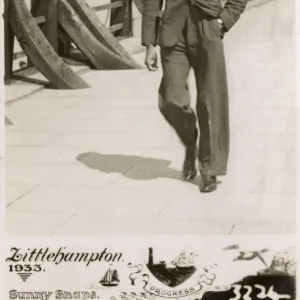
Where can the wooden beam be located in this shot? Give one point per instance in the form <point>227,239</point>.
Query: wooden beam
<point>40,20</point>
<point>39,50</point>
<point>98,29</point>
<point>127,25</point>
<point>9,41</point>
<point>18,55</point>
<point>31,80</point>
<point>108,6</point>
<point>116,27</point>
<point>26,72</point>
<point>45,12</point>
<point>51,26</point>
<point>98,54</point>
<point>140,5</point>
<point>37,7</point>
<point>64,43</point>
<point>117,17</point>
<point>38,10</point>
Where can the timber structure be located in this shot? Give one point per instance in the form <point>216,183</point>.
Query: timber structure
<point>48,30</point>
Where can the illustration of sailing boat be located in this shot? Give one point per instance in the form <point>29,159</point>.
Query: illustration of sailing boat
<point>185,260</point>
<point>111,278</point>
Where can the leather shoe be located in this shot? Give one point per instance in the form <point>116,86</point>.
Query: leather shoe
<point>208,184</point>
<point>189,166</point>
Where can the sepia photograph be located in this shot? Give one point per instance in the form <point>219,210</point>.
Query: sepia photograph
<point>150,117</point>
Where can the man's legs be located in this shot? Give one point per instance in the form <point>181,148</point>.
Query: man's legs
<point>208,61</point>
<point>174,101</point>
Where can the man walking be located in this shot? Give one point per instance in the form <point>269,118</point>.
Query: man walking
<point>190,35</point>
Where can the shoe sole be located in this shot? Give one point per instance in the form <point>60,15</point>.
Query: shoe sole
<point>206,191</point>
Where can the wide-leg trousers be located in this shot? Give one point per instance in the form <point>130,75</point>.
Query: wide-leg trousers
<point>199,47</point>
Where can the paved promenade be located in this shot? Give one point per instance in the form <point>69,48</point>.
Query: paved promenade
<point>104,161</point>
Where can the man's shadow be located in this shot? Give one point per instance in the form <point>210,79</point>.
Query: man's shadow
<point>131,166</point>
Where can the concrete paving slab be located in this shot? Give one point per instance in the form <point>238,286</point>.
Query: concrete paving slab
<point>87,225</point>
<point>21,223</point>
<point>278,182</point>
<point>280,207</point>
<point>14,193</point>
<point>116,202</point>
<point>185,226</point>
<point>29,139</point>
<point>142,226</point>
<point>264,227</point>
<point>215,206</point>
<point>38,155</point>
<point>20,174</point>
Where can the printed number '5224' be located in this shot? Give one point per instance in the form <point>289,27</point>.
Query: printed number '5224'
<point>261,293</point>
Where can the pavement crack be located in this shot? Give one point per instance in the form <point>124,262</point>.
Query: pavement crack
<point>231,230</point>
<point>23,195</point>
<point>163,208</point>
<point>62,225</point>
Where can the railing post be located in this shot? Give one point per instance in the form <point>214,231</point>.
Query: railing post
<point>9,41</point>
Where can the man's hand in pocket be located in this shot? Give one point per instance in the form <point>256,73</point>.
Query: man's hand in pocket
<point>222,27</point>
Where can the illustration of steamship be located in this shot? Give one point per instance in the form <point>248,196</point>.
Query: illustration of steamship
<point>111,278</point>
<point>174,273</point>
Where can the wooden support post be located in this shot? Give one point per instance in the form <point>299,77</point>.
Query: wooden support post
<point>64,43</point>
<point>9,41</point>
<point>49,10</point>
<point>38,9</point>
<point>127,27</point>
<point>35,7</point>
<point>51,26</point>
<point>117,16</point>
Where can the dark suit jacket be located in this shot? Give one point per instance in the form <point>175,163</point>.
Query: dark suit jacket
<point>175,15</point>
